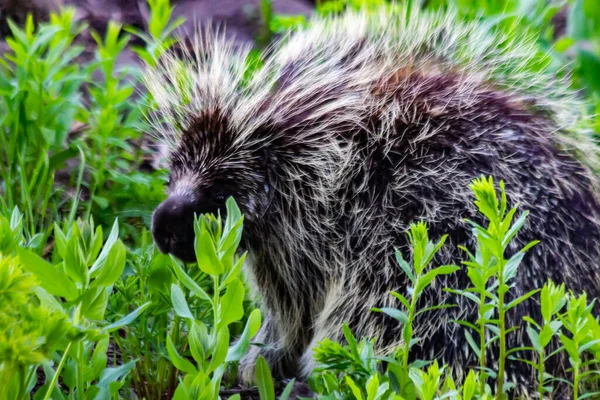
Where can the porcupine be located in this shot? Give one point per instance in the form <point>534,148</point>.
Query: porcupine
<point>352,129</point>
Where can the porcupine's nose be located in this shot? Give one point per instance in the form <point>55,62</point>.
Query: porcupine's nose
<point>173,227</point>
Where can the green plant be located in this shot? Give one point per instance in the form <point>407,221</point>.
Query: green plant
<point>552,301</point>
<point>576,340</point>
<point>83,276</point>
<point>215,246</point>
<point>160,31</point>
<point>39,97</point>
<point>30,331</point>
<point>490,262</point>
<point>148,280</point>
<point>343,369</point>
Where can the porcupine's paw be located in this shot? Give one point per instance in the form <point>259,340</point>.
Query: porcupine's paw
<point>247,366</point>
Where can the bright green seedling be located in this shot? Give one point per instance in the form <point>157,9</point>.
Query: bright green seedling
<point>344,370</point>
<point>209,344</point>
<point>420,277</point>
<point>490,273</point>
<point>580,336</point>
<point>552,301</point>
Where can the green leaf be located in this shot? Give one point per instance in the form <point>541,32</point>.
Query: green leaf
<point>264,380</point>
<point>112,238</point>
<point>588,345</point>
<point>590,68</point>
<point>206,255</point>
<point>195,341</point>
<point>472,343</point>
<point>35,241</point>
<point>512,265</point>
<point>240,348</point>
<point>431,275</point>
<point>402,299</point>
<point>179,303</point>
<point>577,23</point>
<point>394,313</point>
<point>189,282</point>
<point>219,353</point>
<point>535,339</point>
<point>47,299</point>
<point>288,390</point>
<point>99,358</point>
<point>563,44</point>
<point>60,240</point>
<point>521,299</point>
<point>51,278</point>
<point>354,387</point>
<point>179,362</point>
<point>129,318</point>
<point>404,265</point>
<point>372,386</point>
<point>112,269</point>
<point>589,395</point>
<point>111,375</point>
<point>232,231</point>
<point>443,306</point>
<point>235,271</point>
<point>232,308</point>
<point>74,262</point>
<point>93,303</point>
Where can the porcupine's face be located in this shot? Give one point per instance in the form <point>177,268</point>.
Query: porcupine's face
<point>206,169</point>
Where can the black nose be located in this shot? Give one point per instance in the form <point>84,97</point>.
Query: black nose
<point>173,227</point>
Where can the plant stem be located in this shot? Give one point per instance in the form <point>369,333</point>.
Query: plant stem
<point>216,303</point>
<point>63,359</point>
<point>173,375</point>
<point>502,324</point>
<point>411,316</point>
<point>482,348</point>
<point>541,366</point>
<point>79,371</point>
<point>30,374</point>
<point>58,371</point>
<point>576,382</point>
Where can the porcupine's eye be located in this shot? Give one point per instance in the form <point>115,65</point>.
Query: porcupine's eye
<point>218,193</point>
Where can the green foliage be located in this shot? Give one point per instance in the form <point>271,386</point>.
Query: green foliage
<point>552,299</point>
<point>73,296</point>
<point>209,343</point>
<point>55,311</point>
<point>490,264</point>
<point>39,97</point>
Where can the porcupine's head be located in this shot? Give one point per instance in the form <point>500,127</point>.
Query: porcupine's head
<point>214,152</point>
